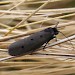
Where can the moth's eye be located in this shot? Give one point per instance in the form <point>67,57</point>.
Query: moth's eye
<point>32,39</point>
<point>22,46</point>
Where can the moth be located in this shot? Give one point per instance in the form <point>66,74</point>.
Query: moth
<point>33,42</point>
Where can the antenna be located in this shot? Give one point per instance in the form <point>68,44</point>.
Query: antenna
<point>63,34</point>
<point>68,40</point>
<point>56,25</point>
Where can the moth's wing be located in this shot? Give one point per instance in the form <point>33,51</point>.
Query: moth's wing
<point>29,44</point>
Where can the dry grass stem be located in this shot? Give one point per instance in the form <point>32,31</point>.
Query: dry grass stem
<point>21,18</point>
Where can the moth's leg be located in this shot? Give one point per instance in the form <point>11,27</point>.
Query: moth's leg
<point>56,41</point>
<point>56,38</point>
<point>47,42</point>
<point>45,45</point>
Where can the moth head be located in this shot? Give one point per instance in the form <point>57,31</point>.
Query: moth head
<point>55,29</point>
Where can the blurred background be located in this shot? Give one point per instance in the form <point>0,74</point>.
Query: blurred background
<point>21,18</point>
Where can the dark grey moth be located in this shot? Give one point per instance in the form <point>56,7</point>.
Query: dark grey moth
<point>33,42</point>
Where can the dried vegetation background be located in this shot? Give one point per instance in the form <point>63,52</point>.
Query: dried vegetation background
<point>20,18</point>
